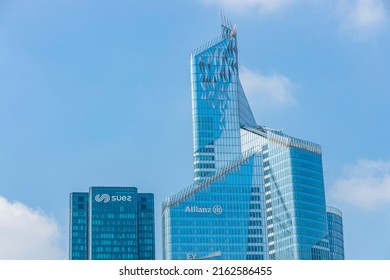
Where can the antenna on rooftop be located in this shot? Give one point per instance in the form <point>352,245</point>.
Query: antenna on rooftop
<point>228,28</point>
<point>225,21</point>
<point>223,18</point>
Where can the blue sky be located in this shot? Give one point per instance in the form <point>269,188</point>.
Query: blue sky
<point>98,93</point>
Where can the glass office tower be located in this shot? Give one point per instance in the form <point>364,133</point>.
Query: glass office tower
<point>111,223</point>
<point>336,235</point>
<point>222,215</point>
<point>295,197</point>
<point>258,193</point>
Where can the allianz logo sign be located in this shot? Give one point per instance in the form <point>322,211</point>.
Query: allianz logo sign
<point>217,210</point>
<point>105,198</point>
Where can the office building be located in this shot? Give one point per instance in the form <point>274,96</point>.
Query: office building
<point>295,198</point>
<point>258,193</point>
<point>111,223</point>
<point>336,235</point>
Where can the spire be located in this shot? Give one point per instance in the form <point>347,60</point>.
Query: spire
<point>228,28</point>
<point>225,22</point>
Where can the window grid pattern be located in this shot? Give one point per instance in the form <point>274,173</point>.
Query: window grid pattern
<point>119,224</point>
<point>336,235</point>
<point>113,225</point>
<point>295,200</point>
<point>223,220</point>
<point>146,242</point>
<point>215,103</point>
<point>78,226</point>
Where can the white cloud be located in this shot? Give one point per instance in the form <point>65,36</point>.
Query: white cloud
<point>267,91</point>
<point>263,6</point>
<point>26,233</point>
<point>365,184</point>
<point>363,16</point>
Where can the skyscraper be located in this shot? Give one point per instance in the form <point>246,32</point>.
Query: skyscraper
<point>111,223</point>
<point>258,193</point>
<point>295,198</point>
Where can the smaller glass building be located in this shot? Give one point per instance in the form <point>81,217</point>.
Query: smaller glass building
<point>336,235</point>
<point>111,223</point>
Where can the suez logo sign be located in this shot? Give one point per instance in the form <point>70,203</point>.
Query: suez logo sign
<point>217,210</point>
<point>105,198</point>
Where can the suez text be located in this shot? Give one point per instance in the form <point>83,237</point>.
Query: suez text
<point>121,198</point>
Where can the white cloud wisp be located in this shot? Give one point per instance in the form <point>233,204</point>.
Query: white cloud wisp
<point>26,233</point>
<point>267,91</point>
<point>365,185</point>
<point>363,16</point>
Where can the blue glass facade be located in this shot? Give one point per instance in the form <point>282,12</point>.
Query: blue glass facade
<point>217,100</point>
<point>220,218</point>
<point>146,240</point>
<point>78,226</point>
<point>296,209</point>
<point>267,187</point>
<point>112,223</point>
<point>336,235</point>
